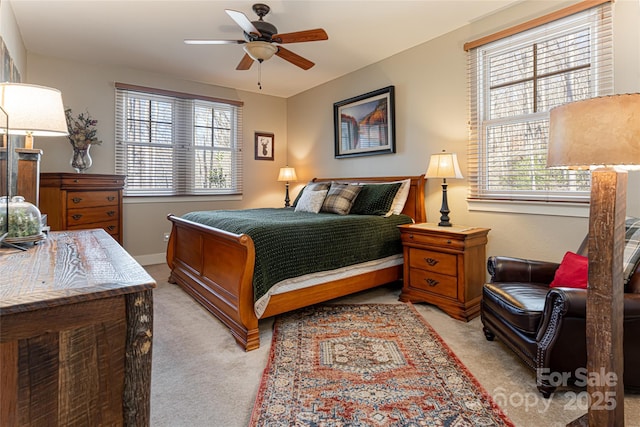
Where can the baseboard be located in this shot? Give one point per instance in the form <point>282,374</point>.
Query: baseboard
<point>151,259</point>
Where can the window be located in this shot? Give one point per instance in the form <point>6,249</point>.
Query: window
<point>170,143</point>
<point>514,83</point>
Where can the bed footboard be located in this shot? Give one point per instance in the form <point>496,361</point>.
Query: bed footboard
<point>216,268</point>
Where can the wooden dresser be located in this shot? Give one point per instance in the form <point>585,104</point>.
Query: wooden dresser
<point>75,201</point>
<point>77,323</point>
<point>444,266</point>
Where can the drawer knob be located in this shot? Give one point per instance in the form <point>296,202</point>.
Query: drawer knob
<point>431,261</point>
<point>76,216</point>
<point>111,227</point>
<point>111,213</point>
<point>431,282</point>
<point>76,199</point>
<point>111,198</point>
<point>411,236</point>
<point>448,242</point>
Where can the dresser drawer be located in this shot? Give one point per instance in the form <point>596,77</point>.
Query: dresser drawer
<point>89,199</point>
<point>111,227</point>
<point>92,215</point>
<point>435,283</point>
<point>433,261</point>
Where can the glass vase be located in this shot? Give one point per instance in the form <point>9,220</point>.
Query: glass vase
<point>81,160</point>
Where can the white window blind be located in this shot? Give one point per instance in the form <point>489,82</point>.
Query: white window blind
<point>513,84</point>
<point>170,143</point>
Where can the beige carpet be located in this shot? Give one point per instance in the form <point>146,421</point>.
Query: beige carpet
<point>201,377</point>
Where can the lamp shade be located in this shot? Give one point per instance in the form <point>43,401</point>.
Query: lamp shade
<point>443,165</point>
<point>603,131</point>
<point>287,174</point>
<point>259,50</point>
<point>33,110</point>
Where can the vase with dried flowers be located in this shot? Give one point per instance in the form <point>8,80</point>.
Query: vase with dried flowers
<point>82,135</point>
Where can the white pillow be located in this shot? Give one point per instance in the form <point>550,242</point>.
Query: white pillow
<point>311,201</point>
<point>401,197</point>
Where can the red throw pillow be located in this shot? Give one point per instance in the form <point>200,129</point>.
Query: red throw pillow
<point>572,273</point>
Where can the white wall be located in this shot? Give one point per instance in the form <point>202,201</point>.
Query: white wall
<point>431,115</point>
<point>91,87</point>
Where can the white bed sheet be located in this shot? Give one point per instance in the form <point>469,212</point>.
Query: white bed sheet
<point>313,279</point>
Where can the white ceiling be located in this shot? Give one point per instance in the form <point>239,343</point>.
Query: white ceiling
<point>148,35</point>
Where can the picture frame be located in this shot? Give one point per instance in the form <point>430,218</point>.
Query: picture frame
<point>365,125</point>
<point>264,145</point>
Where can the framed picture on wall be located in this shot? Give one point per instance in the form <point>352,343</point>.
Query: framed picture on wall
<point>365,125</point>
<point>264,146</point>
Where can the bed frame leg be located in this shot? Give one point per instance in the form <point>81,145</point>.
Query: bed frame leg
<point>249,340</point>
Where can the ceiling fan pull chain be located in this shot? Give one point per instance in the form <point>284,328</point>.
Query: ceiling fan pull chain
<point>259,74</point>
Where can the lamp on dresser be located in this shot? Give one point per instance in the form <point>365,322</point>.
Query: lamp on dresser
<point>287,174</point>
<point>602,134</point>
<point>32,111</point>
<point>444,165</point>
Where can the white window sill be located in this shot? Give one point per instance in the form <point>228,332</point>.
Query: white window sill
<point>580,210</point>
<point>180,199</point>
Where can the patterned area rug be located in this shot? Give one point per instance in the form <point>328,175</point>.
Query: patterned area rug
<point>367,365</point>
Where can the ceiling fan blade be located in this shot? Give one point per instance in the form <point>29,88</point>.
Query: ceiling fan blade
<point>294,58</point>
<point>204,41</point>
<point>245,63</point>
<point>244,22</point>
<point>301,36</point>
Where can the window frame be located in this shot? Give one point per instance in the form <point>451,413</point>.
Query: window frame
<point>183,156</point>
<point>528,34</point>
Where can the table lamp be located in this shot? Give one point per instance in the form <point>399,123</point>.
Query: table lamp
<point>33,111</point>
<point>287,174</point>
<point>444,165</point>
<point>602,134</point>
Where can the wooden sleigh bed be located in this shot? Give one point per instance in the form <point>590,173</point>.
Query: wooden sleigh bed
<point>216,268</point>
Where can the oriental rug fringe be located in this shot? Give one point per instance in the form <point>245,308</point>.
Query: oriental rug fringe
<point>367,365</point>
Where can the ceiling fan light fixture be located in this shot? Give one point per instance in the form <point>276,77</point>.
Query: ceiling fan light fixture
<point>260,50</point>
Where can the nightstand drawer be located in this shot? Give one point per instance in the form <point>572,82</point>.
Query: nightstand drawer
<point>88,199</point>
<point>92,215</point>
<point>433,261</point>
<point>433,282</point>
<point>432,240</point>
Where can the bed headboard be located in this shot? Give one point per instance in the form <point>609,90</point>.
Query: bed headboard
<point>414,207</point>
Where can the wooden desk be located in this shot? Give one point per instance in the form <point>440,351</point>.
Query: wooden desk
<point>76,323</point>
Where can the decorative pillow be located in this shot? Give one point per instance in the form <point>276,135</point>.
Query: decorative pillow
<point>631,247</point>
<point>311,201</point>
<point>375,199</point>
<point>340,198</point>
<point>311,186</point>
<point>401,197</point>
<point>572,273</point>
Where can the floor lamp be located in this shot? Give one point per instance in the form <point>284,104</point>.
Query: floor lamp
<point>602,134</point>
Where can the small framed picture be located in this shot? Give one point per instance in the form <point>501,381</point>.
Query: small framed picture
<point>264,146</point>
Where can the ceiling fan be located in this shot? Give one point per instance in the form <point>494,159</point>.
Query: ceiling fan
<point>262,40</point>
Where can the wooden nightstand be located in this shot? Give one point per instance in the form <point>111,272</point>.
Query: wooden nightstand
<point>444,266</point>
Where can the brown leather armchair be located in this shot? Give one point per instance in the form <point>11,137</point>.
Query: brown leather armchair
<point>546,326</point>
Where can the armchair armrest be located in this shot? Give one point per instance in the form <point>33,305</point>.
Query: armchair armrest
<point>574,303</point>
<point>507,269</point>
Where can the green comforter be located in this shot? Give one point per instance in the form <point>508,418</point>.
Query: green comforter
<point>290,244</point>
